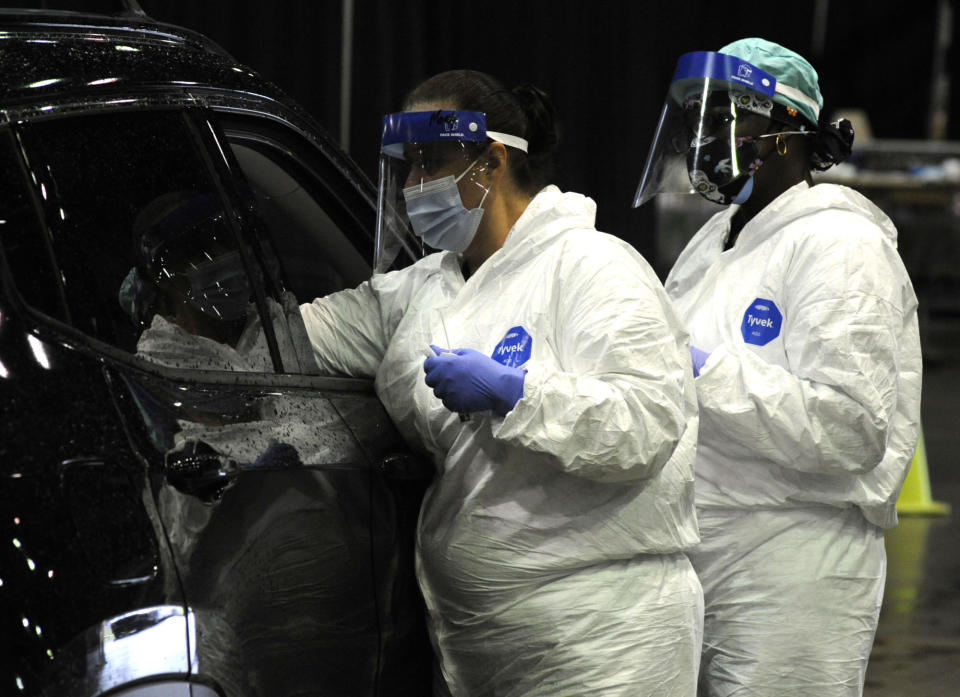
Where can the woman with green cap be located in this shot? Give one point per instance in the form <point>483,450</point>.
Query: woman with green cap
<point>803,326</point>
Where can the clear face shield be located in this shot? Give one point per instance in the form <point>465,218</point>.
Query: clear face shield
<point>188,263</point>
<point>717,110</point>
<point>431,192</point>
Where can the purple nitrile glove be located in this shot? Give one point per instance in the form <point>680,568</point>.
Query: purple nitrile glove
<point>699,358</point>
<point>466,380</point>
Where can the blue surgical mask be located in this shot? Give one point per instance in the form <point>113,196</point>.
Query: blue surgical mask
<point>438,215</point>
<point>137,297</point>
<point>744,192</point>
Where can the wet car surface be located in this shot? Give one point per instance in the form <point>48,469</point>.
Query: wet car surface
<point>187,506</point>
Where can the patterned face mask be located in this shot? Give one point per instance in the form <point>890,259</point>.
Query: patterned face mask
<point>749,100</point>
<point>719,175</point>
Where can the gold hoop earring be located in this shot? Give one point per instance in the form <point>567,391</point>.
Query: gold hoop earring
<point>781,143</point>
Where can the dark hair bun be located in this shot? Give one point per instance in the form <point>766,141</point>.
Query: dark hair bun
<point>833,144</point>
<point>543,132</point>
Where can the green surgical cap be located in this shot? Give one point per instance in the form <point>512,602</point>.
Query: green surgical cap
<point>790,69</point>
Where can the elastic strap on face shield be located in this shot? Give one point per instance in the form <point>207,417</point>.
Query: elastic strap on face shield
<point>513,141</point>
<point>797,96</point>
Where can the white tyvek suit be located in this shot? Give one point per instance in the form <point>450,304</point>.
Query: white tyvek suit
<point>549,546</point>
<point>805,435</point>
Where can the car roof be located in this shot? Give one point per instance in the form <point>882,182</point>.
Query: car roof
<point>52,55</point>
<point>55,63</point>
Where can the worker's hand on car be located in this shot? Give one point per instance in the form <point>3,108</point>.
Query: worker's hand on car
<point>466,381</point>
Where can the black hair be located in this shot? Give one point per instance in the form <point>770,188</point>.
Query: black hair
<point>832,144</point>
<point>525,111</point>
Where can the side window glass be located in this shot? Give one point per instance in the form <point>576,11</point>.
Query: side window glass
<point>23,237</point>
<point>305,238</point>
<point>141,242</point>
<point>315,253</point>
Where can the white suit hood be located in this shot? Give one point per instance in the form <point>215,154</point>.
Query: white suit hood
<point>806,201</point>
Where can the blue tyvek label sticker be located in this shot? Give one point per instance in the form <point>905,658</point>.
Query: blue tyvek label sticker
<point>514,348</point>
<point>761,322</point>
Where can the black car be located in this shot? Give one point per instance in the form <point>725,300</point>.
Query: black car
<point>186,506</point>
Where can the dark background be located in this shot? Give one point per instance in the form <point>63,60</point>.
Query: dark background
<point>606,65</point>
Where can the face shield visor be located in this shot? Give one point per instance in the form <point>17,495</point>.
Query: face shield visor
<point>189,256</point>
<point>717,109</point>
<point>426,160</point>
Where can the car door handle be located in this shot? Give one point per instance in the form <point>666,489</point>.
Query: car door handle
<point>403,466</point>
<point>199,470</point>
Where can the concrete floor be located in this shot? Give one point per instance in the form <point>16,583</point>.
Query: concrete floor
<point>917,648</point>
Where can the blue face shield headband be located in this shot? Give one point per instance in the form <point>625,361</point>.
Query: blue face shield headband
<point>440,126</point>
<point>690,153</point>
<point>695,71</point>
<point>423,157</point>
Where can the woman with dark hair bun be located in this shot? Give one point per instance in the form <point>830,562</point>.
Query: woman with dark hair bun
<point>556,402</point>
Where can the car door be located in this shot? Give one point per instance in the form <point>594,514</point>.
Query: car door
<point>311,216</point>
<point>87,578</point>
<point>270,481</point>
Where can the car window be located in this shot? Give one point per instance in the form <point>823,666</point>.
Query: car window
<point>312,242</point>
<point>315,255</point>
<point>24,244</point>
<point>141,240</point>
